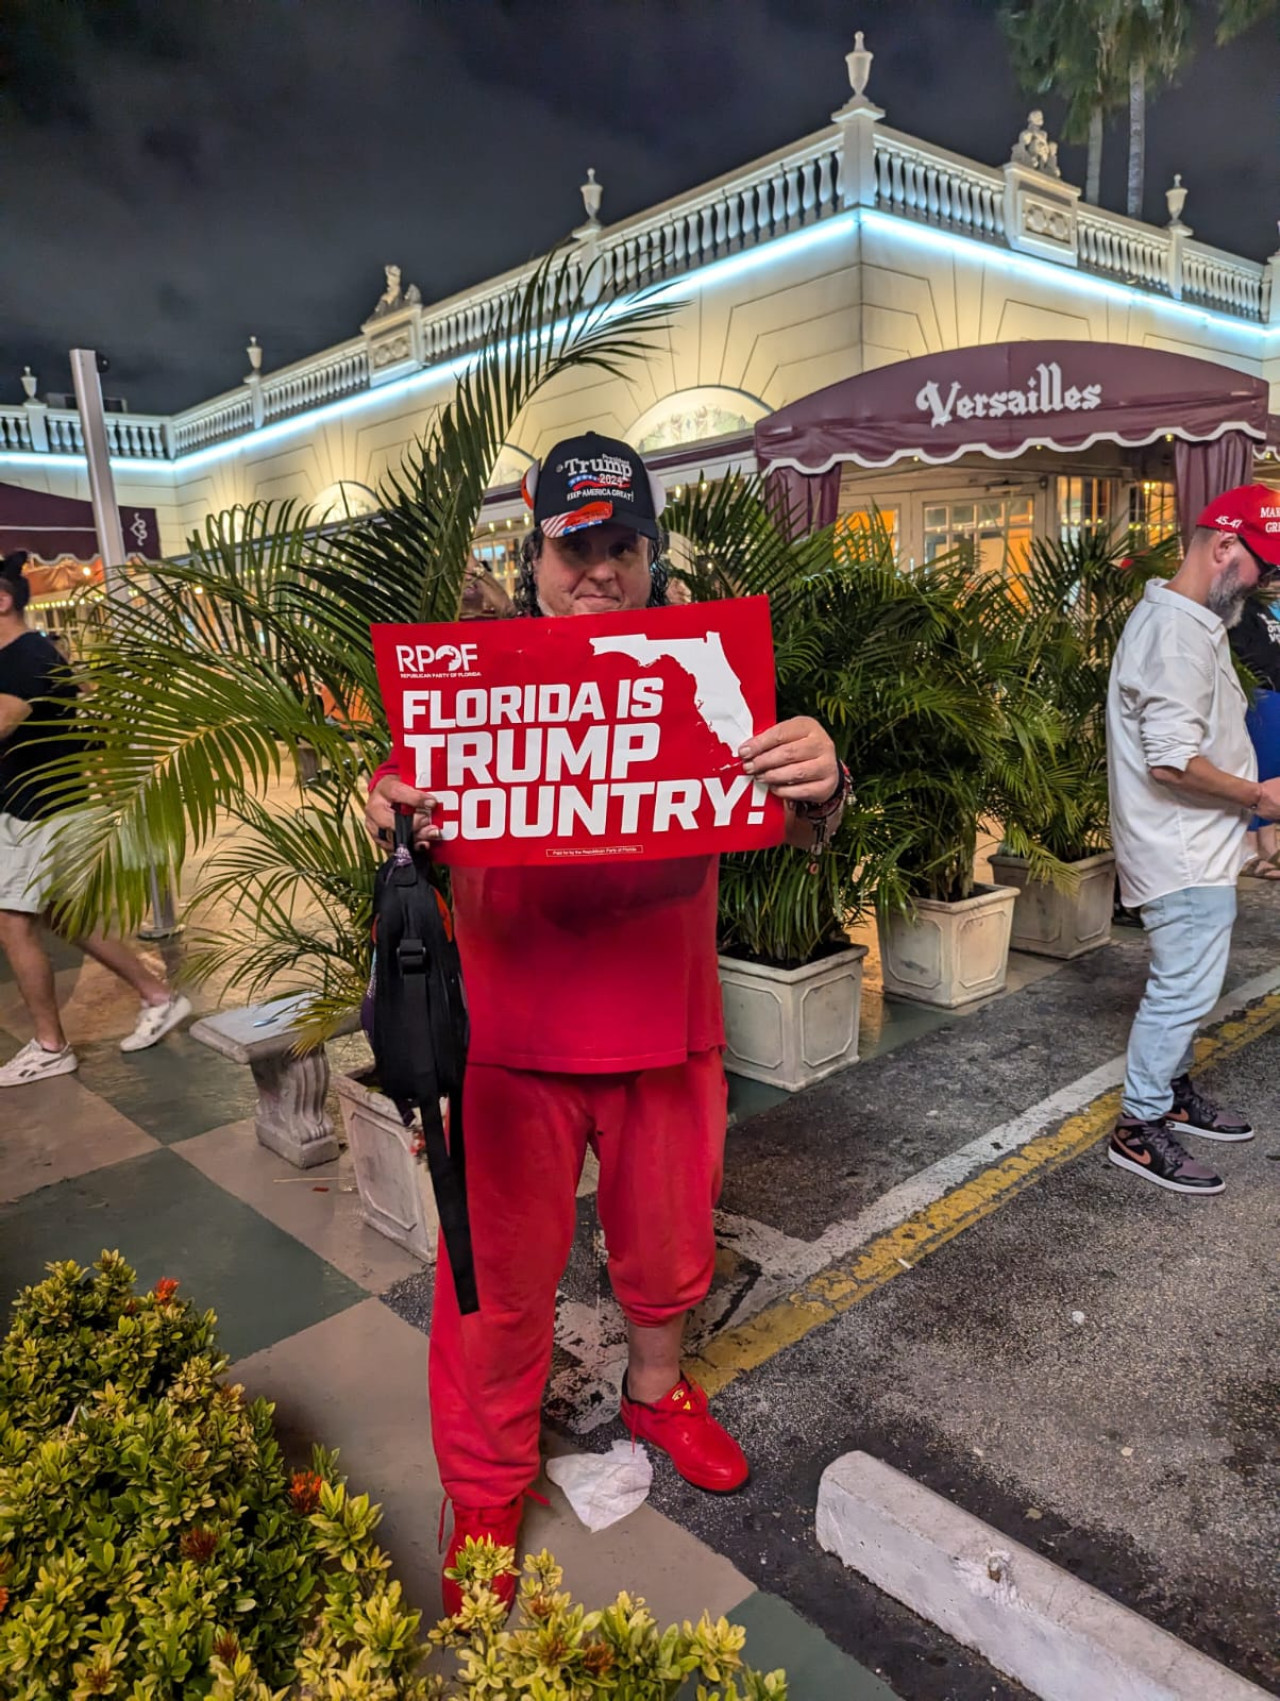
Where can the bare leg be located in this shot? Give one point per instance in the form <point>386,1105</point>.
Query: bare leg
<point>20,937</point>
<point>128,965</point>
<point>1268,840</point>
<point>654,1366</point>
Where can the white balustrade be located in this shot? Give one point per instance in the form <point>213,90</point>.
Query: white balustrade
<point>15,429</point>
<point>64,433</point>
<point>1214,279</point>
<point>789,190</point>
<point>212,422</point>
<point>1122,248</point>
<point>935,187</point>
<point>783,193</point>
<point>136,436</point>
<point>311,383</point>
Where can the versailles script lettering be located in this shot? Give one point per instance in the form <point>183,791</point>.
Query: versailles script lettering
<point>1043,393</point>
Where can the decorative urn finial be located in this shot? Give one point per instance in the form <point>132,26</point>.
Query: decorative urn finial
<point>858,64</point>
<point>254,351</point>
<point>592,194</point>
<point>1176,199</point>
<point>30,383</point>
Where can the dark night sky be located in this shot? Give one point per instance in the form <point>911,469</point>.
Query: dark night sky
<point>175,174</point>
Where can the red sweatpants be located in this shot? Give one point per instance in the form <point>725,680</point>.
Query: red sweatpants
<point>659,1137</point>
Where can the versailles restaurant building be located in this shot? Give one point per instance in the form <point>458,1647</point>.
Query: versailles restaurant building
<point>869,318</point>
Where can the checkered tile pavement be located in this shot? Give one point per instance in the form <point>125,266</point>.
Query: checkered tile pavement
<point>154,1154</point>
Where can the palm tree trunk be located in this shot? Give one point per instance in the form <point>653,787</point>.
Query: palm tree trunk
<point>1137,134</point>
<point>1093,173</point>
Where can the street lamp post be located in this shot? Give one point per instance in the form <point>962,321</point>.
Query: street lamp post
<point>85,370</point>
<point>102,490</point>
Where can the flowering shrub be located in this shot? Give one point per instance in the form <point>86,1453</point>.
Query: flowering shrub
<point>559,1652</point>
<point>154,1546</point>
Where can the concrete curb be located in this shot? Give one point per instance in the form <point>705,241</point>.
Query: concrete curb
<point>1033,1621</point>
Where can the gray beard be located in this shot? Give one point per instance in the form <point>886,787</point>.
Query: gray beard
<point>1227,599</point>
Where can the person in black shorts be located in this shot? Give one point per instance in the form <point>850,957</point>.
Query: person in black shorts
<point>37,726</point>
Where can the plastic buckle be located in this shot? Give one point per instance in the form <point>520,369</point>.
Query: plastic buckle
<point>411,956</point>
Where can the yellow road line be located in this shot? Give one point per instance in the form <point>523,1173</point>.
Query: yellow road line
<point>842,1284</point>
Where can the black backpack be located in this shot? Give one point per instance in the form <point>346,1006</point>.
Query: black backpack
<point>421,1031</point>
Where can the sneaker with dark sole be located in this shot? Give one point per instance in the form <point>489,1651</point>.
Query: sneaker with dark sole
<point>1151,1150</point>
<point>1192,1113</point>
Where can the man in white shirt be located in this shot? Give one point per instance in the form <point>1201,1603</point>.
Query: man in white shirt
<point>1183,780</point>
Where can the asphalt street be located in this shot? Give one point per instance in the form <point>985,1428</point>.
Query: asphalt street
<point>1091,1367</point>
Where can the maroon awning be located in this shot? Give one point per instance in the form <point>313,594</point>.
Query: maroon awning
<point>1002,398</point>
<point>48,527</point>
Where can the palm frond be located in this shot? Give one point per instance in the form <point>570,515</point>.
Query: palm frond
<point>218,666</point>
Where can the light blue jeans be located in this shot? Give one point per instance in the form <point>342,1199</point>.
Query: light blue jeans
<point>1189,933</point>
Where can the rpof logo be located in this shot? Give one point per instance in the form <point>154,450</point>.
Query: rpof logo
<point>418,659</point>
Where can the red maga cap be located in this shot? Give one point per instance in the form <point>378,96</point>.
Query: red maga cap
<point>1252,512</point>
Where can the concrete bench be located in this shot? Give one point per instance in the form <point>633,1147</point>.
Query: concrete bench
<point>290,1117</point>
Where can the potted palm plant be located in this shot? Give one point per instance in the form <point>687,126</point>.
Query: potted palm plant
<point>221,665</point>
<point>919,674</point>
<point>791,978</point>
<point>1079,591</point>
<point>970,738</point>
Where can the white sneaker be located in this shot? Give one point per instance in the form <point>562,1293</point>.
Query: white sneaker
<point>34,1063</point>
<point>155,1022</point>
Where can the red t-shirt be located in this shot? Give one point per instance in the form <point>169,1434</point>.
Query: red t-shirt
<point>589,970</point>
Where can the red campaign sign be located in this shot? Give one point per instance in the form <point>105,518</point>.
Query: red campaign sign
<point>611,735</point>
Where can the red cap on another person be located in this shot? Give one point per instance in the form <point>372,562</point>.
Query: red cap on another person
<point>1252,512</point>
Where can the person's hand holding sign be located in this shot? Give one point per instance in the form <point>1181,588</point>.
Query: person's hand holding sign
<point>380,812</point>
<point>797,760</point>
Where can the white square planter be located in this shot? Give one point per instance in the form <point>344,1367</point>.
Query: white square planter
<point>791,1027</point>
<point>396,1197</point>
<point>949,954</point>
<point>1060,924</point>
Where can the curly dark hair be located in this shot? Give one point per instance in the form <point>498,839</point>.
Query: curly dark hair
<point>525,597</point>
<point>13,579</point>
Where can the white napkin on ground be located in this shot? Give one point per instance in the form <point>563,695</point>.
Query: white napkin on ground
<point>604,1487</point>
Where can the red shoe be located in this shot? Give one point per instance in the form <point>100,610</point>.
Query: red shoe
<point>703,1452</point>
<point>502,1525</point>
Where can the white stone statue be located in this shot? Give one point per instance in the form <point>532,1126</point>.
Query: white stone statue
<point>395,295</point>
<point>1033,147</point>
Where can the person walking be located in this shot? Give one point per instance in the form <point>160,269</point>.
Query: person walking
<point>1183,783</point>
<point>595,1021</point>
<point>37,716</point>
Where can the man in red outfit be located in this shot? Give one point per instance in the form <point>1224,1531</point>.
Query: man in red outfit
<point>595,1021</point>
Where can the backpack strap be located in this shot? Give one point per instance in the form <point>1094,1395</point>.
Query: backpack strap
<point>422,966</point>
<point>446,1155</point>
